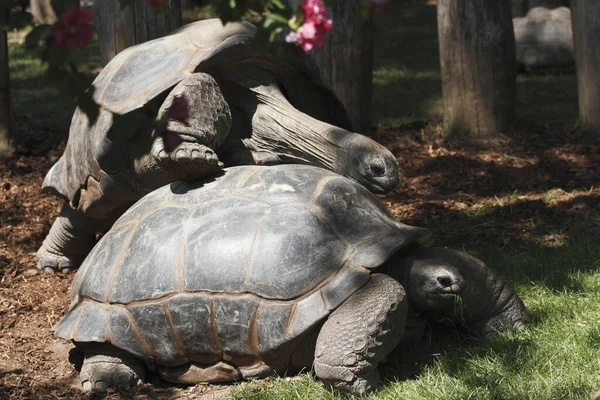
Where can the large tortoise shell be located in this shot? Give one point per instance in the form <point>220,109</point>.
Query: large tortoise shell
<point>97,165</point>
<point>231,268</point>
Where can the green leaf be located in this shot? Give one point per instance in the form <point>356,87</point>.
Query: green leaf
<point>275,19</point>
<point>36,35</point>
<point>274,33</point>
<point>278,4</point>
<point>19,19</point>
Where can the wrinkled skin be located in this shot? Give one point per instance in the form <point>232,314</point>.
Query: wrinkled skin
<point>449,286</point>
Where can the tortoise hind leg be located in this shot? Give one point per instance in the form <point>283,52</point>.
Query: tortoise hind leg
<point>105,366</point>
<point>360,333</point>
<point>70,239</point>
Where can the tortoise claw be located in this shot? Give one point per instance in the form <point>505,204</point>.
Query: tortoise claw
<point>51,263</point>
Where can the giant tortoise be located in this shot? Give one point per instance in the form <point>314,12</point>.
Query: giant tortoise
<point>265,270</point>
<point>245,108</point>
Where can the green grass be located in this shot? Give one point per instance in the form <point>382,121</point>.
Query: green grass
<point>556,357</point>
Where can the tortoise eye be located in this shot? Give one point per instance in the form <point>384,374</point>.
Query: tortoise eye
<point>377,170</point>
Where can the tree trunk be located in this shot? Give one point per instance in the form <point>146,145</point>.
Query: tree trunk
<point>118,29</point>
<point>346,62</point>
<point>585,15</point>
<point>42,11</point>
<point>5,106</point>
<point>477,57</point>
<point>547,3</point>
<point>519,8</point>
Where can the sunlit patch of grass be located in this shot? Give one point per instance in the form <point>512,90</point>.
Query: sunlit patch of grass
<point>552,196</point>
<point>557,356</point>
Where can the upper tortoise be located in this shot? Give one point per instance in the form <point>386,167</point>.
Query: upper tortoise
<point>263,270</point>
<point>245,108</point>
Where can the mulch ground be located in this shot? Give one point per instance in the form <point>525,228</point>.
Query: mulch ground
<point>533,189</point>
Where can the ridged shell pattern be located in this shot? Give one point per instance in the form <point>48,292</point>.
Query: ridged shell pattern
<point>231,268</point>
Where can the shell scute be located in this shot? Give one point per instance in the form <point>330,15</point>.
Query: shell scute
<point>271,325</point>
<point>124,333</point>
<point>235,324</point>
<point>191,316</point>
<point>219,246</point>
<point>91,324</point>
<point>153,258</point>
<point>287,262</point>
<point>279,186</point>
<point>96,270</point>
<point>154,326</point>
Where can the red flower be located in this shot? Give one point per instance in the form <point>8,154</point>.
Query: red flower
<point>155,3</point>
<point>74,28</point>
<point>316,24</point>
<point>179,110</point>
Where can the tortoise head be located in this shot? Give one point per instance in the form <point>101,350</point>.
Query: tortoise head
<point>292,123</point>
<point>370,163</point>
<point>431,284</point>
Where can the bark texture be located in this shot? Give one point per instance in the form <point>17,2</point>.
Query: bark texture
<point>585,15</point>
<point>477,57</point>
<point>118,29</point>
<point>346,62</point>
<point>5,107</point>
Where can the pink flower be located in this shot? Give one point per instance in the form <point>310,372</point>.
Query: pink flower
<point>316,25</point>
<point>179,110</point>
<point>74,28</point>
<point>155,3</point>
<point>314,9</point>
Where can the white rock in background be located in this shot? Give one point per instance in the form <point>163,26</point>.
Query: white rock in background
<point>544,38</point>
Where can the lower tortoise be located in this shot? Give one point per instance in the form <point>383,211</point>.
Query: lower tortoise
<point>266,270</point>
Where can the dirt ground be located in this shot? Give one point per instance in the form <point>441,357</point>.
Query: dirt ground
<point>532,189</point>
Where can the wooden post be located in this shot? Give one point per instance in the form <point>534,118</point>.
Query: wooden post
<point>118,29</point>
<point>346,62</point>
<point>477,57</point>
<point>585,16</point>
<point>5,106</point>
<point>519,8</point>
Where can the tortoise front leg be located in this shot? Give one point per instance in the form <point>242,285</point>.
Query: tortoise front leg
<point>206,128</point>
<point>70,239</point>
<point>360,333</point>
<point>105,366</point>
